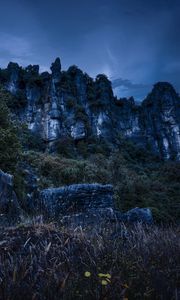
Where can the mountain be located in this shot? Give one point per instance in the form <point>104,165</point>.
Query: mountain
<point>70,104</point>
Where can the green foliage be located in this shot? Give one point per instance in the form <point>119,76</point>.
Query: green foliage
<point>3,76</point>
<point>65,147</point>
<point>10,147</point>
<point>13,102</point>
<point>57,171</point>
<point>4,114</point>
<point>138,178</point>
<point>30,140</point>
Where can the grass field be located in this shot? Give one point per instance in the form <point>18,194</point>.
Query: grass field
<point>43,261</point>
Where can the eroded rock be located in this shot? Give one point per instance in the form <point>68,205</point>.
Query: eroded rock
<point>76,198</point>
<point>9,207</point>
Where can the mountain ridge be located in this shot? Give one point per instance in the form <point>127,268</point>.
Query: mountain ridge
<point>72,104</point>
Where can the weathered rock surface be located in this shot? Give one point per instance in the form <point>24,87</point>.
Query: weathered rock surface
<point>75,199</point>
<point>161,120</point>
<point>70,103</point>
<point>87,204</point>
<point>137,214</point>
<point>78,204</point>
<point>108,216</point>
<point>9,207</point>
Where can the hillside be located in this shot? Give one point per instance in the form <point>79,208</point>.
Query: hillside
<point>41,157</point>
<point>71,105</point>
<point>89,188</point>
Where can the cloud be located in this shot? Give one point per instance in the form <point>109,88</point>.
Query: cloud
<point>126,88</point>
<point>15,48</point>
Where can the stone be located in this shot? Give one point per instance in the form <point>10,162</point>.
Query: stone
<point>9,206</point>
<point>78,131</point>
<point>91,217</point>
<point>142,215</point>
<point>75,199</point>
<point>161,120</point>
<point>108,216</point>
<point>56,69</point>
<point>13,80</point>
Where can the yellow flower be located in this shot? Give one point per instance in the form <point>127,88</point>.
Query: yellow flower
<point>87,274</point>
<point>104,275</point>
<point>104,282</point>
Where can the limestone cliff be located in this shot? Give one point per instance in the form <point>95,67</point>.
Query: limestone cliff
<point>70,103</point>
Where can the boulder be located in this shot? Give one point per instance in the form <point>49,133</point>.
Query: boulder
<point>91,217</point>
<point>9,207</point>
<point>142,215</point>
<point>85,204</point>
<point>75,198</point>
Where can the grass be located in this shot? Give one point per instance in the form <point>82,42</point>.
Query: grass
<point>43,261</point>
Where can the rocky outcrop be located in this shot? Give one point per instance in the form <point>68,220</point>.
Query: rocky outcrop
<point>78,204</point>
<point>9,207</point>
<point>76,198</point>
<point>87,204</point>
<point>108,216</point>
<point>137,214</point>
<point>71,104</point>
<point>160,120</point>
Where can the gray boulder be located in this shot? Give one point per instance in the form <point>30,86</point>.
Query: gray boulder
<point>85,204</point>
<point>76,198</point>
<point>143,215</point>
<point>9,207</point>
<point>106,216</point>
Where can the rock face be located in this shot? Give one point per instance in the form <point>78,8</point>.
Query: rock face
<point>109,216</point>
<point>161,120</point>
<point>75,199</point>
<point>139,215</point>
<point>71,104</point>
<point>87,204</point>
<point>78,204</point>
<point>9,207</point>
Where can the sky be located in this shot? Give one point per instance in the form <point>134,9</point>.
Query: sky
<point>134,42</point>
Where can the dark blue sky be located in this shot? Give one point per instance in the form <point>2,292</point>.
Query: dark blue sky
<point>134,42</point>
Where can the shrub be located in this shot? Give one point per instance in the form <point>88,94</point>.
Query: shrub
<point>10,150</point>
<point>65,147</point>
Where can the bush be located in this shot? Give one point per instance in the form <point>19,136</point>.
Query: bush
<point>13,102</point>
<point>55,171</point>
<point>65,147</point>
<point>10,150</point>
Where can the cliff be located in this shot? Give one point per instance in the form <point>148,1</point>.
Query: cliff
<point>71,104</point>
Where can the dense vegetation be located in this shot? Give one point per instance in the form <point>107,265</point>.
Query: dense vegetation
<point>46,262</point>
<point>106,261</point>
<point>139,178</point>
<point>10,147</point>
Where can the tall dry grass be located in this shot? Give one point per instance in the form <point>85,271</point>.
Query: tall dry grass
<point>116,262</point>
